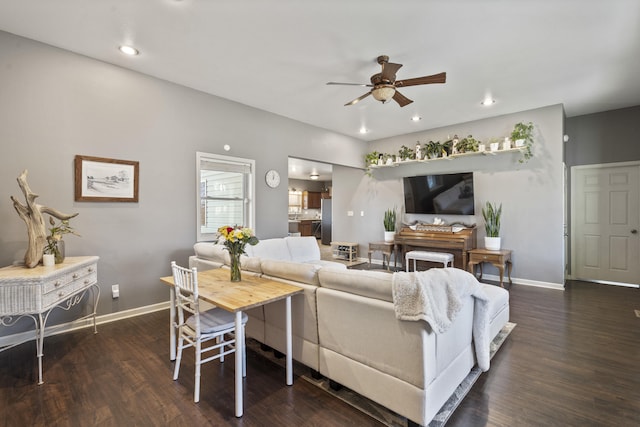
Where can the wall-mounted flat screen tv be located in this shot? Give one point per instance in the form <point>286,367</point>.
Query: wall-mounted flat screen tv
<point>450,194</point>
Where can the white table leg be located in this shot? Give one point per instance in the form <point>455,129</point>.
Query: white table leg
<point>172,329</point>
<point>39,345</point>
<point>289,344</point>
<point>238,357</point>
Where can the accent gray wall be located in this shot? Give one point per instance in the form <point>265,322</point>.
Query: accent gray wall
<point>55,104</point>
<point>611,136</point>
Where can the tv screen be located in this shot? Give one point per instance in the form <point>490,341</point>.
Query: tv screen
<point>450,194</point>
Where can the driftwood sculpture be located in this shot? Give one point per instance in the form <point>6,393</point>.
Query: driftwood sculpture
<point>31,214</point>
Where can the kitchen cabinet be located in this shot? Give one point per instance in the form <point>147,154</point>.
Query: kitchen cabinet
<point>311,199</point>
<point>305,228</point>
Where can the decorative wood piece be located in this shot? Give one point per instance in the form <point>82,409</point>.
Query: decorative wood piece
<point>31,214</point>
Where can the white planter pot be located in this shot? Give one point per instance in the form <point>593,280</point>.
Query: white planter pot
<point>492,243</point>
<point>48,260</point>
<point>494,146</point>
<point>389,236</point>
<point>519,142</point>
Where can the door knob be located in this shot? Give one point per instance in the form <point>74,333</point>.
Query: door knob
<point>634,231</point>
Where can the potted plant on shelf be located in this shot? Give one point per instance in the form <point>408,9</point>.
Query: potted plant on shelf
<point>389,225</point>
<point>522,136</point>
<point>491,214</point>
<point>467,145</point>
<point>370,159</point>
<point>406,153</point>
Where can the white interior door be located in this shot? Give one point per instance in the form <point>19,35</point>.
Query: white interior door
<point>606,221</point>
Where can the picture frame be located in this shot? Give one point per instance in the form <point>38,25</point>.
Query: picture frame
<point>99,179</point>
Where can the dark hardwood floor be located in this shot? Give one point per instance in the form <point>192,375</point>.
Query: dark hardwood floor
<point>573,360</point>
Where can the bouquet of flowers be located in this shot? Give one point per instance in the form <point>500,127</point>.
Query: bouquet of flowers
<point>235,239</point>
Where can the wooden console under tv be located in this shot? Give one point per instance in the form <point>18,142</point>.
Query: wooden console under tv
<point>457,243</point>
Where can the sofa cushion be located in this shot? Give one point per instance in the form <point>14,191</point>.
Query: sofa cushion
<point>294,271</point>
<point>269,249</point>
<point>303,249</point>
<point>212,252</point>
<point>250,263</point>
<point>372,284</point>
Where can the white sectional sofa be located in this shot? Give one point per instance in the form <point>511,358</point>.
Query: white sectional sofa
<point>345,327</point>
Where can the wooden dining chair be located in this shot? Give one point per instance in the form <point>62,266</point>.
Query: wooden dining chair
<point>198,329</point>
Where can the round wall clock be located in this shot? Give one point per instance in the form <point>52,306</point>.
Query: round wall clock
<point>272,178</point>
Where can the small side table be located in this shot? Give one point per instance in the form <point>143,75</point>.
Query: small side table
<point>387,249</point>
<point>499,259</point>
<point>345,250</point>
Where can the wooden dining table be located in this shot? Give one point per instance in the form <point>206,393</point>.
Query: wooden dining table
<point>215,287</point>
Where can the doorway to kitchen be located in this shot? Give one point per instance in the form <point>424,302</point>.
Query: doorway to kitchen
<point>309,211</point>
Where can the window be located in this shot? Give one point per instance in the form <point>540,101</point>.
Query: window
<point>225,193</point>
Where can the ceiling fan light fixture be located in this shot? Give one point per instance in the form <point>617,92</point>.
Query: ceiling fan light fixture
<point>383,93</point>
<point>314,176</point>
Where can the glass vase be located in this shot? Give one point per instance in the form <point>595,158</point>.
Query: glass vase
<point>235,267</point>
<point>58,251</point>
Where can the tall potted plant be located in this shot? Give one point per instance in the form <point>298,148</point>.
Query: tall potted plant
<point>389,225</point>
<point>491,214</point>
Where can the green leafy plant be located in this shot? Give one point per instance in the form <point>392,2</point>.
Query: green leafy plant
<point>524,131</point>
<point>491,214</point>
<point>55,237</point>
<point>433,149</point>
<point>467,145</point>
<point>390,220</point>
<point>370,159</point>
<point>406,153</point>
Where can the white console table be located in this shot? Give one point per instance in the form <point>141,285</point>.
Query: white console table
<point>35,292</point>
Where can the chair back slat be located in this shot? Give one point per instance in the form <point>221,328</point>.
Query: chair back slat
<point>186,293</point>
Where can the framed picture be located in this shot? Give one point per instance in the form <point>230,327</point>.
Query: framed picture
<point>99,179</point>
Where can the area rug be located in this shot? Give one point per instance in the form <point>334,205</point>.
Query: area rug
<point>378,412</point>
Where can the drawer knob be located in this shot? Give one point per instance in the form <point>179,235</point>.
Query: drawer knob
<point>75,275</point>
<point>86,282</point>
<point>56,284</point>
<point>90,269</point>
<point>60,294</point>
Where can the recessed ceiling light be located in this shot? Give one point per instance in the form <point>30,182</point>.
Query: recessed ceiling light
<point>128,50</point>
<point>314,176</point>
<point>416,118</point>
<point>488,101</point>
<point>363,130</point>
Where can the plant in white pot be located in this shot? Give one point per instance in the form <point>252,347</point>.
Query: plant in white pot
<point>491,214</point>
<point>389,225</point>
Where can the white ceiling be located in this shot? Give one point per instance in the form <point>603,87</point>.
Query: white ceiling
<point>302,169</point>
<point>277,55</point>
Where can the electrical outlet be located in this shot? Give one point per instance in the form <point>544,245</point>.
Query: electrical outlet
<point>115,291</point>
<point>349,213</point>
<point>361,213</point>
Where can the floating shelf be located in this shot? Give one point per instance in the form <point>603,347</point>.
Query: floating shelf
<point>449,158</point>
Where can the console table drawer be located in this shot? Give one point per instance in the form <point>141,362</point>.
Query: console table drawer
<point>60,293</point>
<point>64,280</point>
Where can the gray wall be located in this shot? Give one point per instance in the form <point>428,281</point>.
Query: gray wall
<point>611,136</point>
<point>55,104</point>
<point>531,193</point>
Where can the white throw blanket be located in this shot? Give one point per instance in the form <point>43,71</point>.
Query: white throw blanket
<point>436,296</point>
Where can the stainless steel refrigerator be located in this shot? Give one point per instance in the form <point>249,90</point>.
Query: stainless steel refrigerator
<point>326,221</point>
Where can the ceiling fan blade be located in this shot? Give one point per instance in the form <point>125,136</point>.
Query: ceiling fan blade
<point>355,101</point>
<point>350,84</point>
<point>401,99</point>
<point>436,78</point>
<point>389,71</point>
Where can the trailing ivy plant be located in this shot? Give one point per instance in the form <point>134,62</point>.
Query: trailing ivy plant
<point>524,131</point>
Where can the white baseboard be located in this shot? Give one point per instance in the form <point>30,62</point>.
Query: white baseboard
<point>526,282</point>
<point>10,340</point>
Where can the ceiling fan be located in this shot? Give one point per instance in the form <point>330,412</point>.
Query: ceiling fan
<point>384,83</point>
